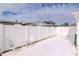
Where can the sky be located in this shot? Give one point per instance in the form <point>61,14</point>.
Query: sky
<point>57,12</point>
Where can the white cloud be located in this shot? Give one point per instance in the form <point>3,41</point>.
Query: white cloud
<point>25,13</point>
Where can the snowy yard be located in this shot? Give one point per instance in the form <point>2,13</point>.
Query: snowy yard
<point>60,41</point>
<point>54,46</point>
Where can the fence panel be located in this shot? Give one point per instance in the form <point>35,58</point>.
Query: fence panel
<point>1,38</point>
<point>15,35</point>
<point>33,33</point>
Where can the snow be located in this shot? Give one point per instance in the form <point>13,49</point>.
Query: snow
<point>17,35</point>
<point>59,45</point>
<point>54,46</point>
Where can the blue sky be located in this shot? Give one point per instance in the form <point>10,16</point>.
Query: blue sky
<point>57,12</point>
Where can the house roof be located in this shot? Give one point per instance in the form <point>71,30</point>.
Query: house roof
<point>9,22</point>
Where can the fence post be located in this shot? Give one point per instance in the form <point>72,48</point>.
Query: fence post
<point>4,41</point>
<point>48,32</point>
<point>28,35</point>
<point>39,32</point>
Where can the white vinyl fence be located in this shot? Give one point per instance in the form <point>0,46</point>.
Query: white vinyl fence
<point>67,32</point>
<point>12,36</point>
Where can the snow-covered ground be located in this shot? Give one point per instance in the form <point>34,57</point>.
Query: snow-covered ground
<point>61,44</point>
<point>54,46</point>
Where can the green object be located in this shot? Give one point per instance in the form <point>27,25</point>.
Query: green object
<point>75,41</point>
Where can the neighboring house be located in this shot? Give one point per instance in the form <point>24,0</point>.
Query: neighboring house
<point>45,23</point>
